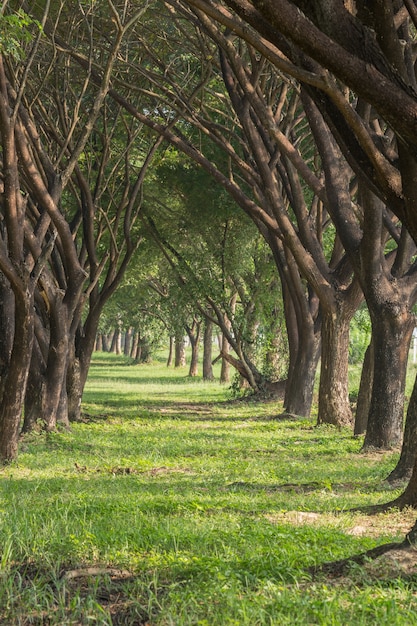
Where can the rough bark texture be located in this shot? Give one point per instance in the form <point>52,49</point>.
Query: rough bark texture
<point>404,468</point>
<point>300,386</point>
<point>208,351</point>
<point>34,391</point>
<point>12,401</point>
<point>225,368</point>
<point>391,340</point>
<point>74,389</point>
<point>334,405</point>
<point>365,392</point>
<point>180,360</point>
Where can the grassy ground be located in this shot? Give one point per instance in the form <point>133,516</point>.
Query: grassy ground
<point>173,505</point>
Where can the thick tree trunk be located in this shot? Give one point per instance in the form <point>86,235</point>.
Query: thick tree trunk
<point>34,391</point>
<point>300,386</point>
<point>404,468</point>
<point>116,343</point>
<point>391,336</point>
<point>409,496</point>
<point>57,363</point>
<point>99,343</point>
<point>128,341</point>
<point>7,322</point>
<point>12,401</point>
<point>180,360</point>
<point>334,405</point>
<point>62,415</point>
<point>193,369</point>
<point>106,342</point>
<point>365,392</point>
<point>134,346</point>
<point>208,351</point>
<point>144,351</point>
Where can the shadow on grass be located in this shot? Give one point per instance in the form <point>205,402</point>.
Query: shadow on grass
<point>148,380</point>
<point>139,408</point>
<point>304,487</point>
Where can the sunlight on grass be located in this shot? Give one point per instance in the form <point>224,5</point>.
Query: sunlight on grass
<point>215,507</point>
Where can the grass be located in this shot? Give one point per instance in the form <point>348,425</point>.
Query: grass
<point>194,510</point>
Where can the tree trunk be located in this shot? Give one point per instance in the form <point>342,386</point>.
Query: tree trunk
<point>34,391</point>
<point>128,341</point>
<point>7,322</point>
<point>406,462</point>
<point>409,495</point>
<point>170,359</point>
<point>334,405</point>
<point>180,360</point>
<point>391,336</point>
<point>134,348</point>
<point>300,386</point>
<point>12,401</point>
<point>99,343</point>
<point>208,351</point>
<point>145,350</point>
<point>74,388</point>
<point>225,369</point>
<point>57,362</point>
<point>365,392</point>
<point>106,342</point>
<point>116,343</point>
<point>195,345</point>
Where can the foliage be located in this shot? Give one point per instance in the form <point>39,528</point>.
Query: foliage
<point>16,31</point>
<point>360,335</point>
<point>204,505</point>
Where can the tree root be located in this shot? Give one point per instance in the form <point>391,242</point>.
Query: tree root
<point>340,568</point>
<point>96,571</point>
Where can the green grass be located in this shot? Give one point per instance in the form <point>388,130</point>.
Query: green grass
<point>216,508</point>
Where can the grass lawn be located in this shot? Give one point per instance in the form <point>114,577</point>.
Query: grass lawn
<point>172,504</point>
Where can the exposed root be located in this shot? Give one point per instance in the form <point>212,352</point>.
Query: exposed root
<point>341,567</point>
<point>96,571</point>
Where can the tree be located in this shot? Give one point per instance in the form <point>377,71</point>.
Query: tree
<point>44,139</point>
<point>363,46</point>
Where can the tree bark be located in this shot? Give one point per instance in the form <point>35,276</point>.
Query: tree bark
<point>194,337</point>
<point>391,336</point>
<point>404,468</point>
<point>180,360</point>
<point>74,388</point>
<point>128,341</point>
<point>170,358</point>
<point>7,322</point>
<point>334,405</point>
<point>34,391</point>
<point>300,385</point>
<point>12,401</point>
<point>365,392</point>
<point>99,343</point>
<point>208,351</point>
<point>106,342</point>
<point>134,347</point>
<point>116,344</point>
<point>225,368</point>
